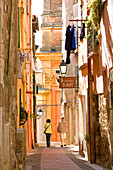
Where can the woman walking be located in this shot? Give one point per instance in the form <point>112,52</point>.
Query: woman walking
<point>48,131</point>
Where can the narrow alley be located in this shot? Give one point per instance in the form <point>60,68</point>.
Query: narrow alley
<point>56,84</point>
<point>56,158</point>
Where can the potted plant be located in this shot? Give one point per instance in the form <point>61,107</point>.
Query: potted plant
<point>23,116</point>
<point>93,24</point>
<point>95,7</point>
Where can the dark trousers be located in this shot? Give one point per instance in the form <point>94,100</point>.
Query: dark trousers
<point>68,57</point>
<point>48,136</point>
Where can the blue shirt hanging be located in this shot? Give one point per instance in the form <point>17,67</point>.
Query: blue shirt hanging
<point>73,38</point>
<point>76,39</point>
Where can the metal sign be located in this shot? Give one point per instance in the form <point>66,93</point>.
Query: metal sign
<point>67,82</point>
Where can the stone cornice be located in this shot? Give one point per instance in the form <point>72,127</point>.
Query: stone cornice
<point>51,25</point>
<point>43,92</point>
<point>47,56</point>
<point>53,14</point>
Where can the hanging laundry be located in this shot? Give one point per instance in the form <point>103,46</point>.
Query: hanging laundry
<point>32,61</point>
<point>19,61</point>
<point>76,39</point>
<point>27,56</point>
<point>68,44</point>
<point>82,31</point>
<point>27,68</point>
<point>22,56</point>
<point>73,38</point>
<point>36,89</point>
<point>24,61</point>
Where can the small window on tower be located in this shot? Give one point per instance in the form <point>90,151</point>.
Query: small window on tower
<point>75,1</point>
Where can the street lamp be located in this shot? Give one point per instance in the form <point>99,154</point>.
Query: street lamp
<point>63,67</point>
<point>63,70</point>
<point>39,113</point>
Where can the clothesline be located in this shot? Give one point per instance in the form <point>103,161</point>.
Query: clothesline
<point>80,27</point>
<point>24,49</point>
<point>71,41</point>
<point>23,55</point>
<point>77,20</point>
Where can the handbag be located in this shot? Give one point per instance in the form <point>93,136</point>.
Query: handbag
<point>46,128</point>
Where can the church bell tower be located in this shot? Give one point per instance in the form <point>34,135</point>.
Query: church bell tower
<point>52,25</point>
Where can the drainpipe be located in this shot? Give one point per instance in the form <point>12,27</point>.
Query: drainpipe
<point>9,44</point>
<point>34,110</point>
<point>88,100</point>
<point>22,46</point>
<point>18,27</point>
<point>90,109</point>
<point>22,23</point>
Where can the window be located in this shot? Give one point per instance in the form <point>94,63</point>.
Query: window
<point>27,10</point>
<point>75,1</point>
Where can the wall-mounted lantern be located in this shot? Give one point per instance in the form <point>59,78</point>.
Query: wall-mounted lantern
<point>63,67</point>
<point>39,113</point>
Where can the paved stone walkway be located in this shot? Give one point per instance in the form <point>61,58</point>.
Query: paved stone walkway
<point>57,158</point>
<point>33,159</point>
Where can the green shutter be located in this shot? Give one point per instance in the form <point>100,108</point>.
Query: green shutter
<point>18,27</point>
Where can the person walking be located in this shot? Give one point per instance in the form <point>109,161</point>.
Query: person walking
<point>48,131</point>
<point>62,129</point>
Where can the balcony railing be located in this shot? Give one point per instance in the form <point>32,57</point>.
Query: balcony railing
<point>93,40</point>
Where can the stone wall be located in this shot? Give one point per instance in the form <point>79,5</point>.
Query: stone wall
<point>102,111</point>
<point>1,81</point>
<point>102,130</point>
<point>8,76</point>
<point>20,147</point>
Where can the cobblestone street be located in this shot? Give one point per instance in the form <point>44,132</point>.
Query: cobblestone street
<point>54,158</point>
<point>56,84</point>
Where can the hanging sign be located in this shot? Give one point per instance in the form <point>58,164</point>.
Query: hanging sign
<point>67,82</point>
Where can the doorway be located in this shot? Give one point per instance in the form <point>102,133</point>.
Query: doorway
<point>71,125</point>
